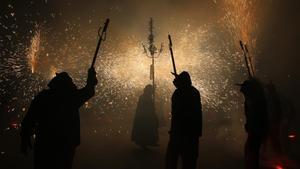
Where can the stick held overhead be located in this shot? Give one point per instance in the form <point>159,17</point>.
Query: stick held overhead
<point>172,55</point>
<point>102,37</point>
<point>249,65</point>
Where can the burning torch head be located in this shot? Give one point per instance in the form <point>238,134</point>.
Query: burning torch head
<point>62,82</point>
<point>182,80</point>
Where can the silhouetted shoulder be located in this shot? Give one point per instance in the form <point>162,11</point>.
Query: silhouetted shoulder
<point>195,90</point>
<point>42,94</point>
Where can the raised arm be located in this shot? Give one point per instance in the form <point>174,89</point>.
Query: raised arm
<point>85,93</point>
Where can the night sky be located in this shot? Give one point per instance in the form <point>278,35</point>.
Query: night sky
<point>41,37</point>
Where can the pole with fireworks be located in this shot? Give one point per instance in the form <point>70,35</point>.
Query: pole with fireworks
<point>102,37</point>
<point>248,60</point>
<point>152,52</point>
<point>172,56</point>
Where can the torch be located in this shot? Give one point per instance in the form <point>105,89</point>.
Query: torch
<point>102,37</point>
<point>172,56</point>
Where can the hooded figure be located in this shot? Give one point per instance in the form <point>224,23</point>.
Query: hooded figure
<point>53,117</point>
<point>145,124</point>
<point>256,126</point>
<point>186,124</point>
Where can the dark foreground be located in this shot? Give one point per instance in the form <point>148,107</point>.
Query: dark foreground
<point>114,150</point>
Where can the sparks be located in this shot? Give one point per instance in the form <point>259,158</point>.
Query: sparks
<point>33,51</point>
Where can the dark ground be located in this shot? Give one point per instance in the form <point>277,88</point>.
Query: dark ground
<point>118,152</point>
<point>102,148</point>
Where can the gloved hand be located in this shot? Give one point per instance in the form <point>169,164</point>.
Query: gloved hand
<point>92,79</point>
<point>25,144</point>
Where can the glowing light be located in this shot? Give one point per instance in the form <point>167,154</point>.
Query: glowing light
<point>122,68</point>
<point>14,125</point>
<point>278,167</point>
<point>292,136</point>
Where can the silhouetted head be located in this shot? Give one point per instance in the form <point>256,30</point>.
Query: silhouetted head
<point>62,82</point>
<point>148,90</point>
<point>251,87</point>
<point>182,80</point>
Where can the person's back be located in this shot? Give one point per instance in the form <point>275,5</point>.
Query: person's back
<point>256,108</point>
<point>186,112</point>
<point>256,126</point>
<point>58,118</point>
<point>53,117</point>
<point>186,124</point>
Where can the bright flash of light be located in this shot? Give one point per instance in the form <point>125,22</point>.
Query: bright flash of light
<point>130,67</point>
<point>123,69</point>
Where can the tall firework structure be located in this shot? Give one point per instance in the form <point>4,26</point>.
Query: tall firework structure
<point>152,52</point>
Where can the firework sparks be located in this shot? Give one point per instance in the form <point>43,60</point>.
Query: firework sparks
<point>33,50</point>
<point>123,70</point>
<point>241,19</point>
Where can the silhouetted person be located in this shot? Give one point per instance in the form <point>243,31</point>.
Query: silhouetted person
<point>256,126</point>
<point>186,124</point>
<point>53,117</point>
<point>145,124</point>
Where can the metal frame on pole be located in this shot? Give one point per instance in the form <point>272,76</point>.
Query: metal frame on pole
<point>154,53</point>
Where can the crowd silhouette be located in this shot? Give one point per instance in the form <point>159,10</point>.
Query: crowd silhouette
<point>51,126</point>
